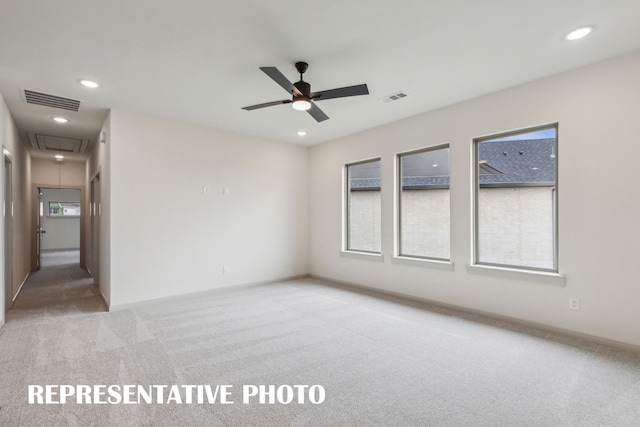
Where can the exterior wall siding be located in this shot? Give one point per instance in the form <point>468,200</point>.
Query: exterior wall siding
<point>365,226</point>
<point>515,226</point>
<point>425,213</point>
<point>508,232</point>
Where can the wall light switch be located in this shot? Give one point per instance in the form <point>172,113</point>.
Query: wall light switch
<point>225,191</point>
<point>205,189</point>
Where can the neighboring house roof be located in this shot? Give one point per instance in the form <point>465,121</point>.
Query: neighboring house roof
<point>502,163</point>
<point>518,162</point>
<point>365,183</point>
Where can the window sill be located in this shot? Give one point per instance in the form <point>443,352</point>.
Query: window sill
<point>515,273</point>
<point>367,256</point>
<point>423,262</point>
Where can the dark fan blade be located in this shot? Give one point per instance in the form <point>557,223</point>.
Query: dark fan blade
<point>317,113</point>
<point>267,104</point>
<point>279,78</point>
<point>340,92</point>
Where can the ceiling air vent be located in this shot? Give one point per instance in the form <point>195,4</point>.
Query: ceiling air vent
<point>51,100</point>
<point>394,97</point>
<point>58,143</point>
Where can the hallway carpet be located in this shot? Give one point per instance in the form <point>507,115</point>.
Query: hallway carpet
<point>382,361</point>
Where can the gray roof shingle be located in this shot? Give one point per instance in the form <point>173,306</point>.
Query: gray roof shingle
<point>518,162</point>
<point>508,163</point>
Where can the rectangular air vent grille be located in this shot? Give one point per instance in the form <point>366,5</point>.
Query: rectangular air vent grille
<point>58,143</point>
<point>394,97</point>
<point>51,100</point>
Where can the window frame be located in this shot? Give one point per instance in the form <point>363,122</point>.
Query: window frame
<point>346,207</point>
<point>398,210</point>
<point>476,194</point>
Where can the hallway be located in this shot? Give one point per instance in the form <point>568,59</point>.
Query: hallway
<point>61,287</point>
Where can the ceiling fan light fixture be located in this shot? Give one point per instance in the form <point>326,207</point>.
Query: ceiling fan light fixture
<point>301,104</point>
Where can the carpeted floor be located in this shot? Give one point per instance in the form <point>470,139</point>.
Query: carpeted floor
<point>381,361</point>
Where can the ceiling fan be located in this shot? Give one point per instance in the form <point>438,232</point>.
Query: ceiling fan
<point>302,97</point>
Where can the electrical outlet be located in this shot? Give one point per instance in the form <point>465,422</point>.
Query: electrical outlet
<point>574,303</point>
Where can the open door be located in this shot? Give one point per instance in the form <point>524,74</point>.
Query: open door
<point>39,230</point>
<point>60,226</point>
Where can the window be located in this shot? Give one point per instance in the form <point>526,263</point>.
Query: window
<point>64,209</point>
<point>516,199</point>
<point>423,203</point>
<point>363,207</point>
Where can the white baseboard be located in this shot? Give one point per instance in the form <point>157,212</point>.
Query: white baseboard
<point>486,314</point>
<point>20,288</point>
<point>125,306</point>
<point>104,300</point>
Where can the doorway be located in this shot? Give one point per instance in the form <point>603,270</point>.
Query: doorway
<point>93,266</point>
<point>58,226</point>
<point>7,211</point>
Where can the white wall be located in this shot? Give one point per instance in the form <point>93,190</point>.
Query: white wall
<point>598,110</point>
<point>21,190</point>
<point>99,165</point>
<point>168,237</point>
<point>62,233</point>
<point>51,174</point>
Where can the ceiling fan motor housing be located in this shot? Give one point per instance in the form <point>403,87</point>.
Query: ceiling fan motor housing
<point>303,87</point>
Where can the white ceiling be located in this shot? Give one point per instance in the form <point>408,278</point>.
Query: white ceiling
<point>198,60</point>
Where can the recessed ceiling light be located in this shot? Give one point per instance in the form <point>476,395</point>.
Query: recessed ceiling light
<point>90,84</point>
<point>434,165</point>
<point>60,120</point>
<point>301,133</point>
<point>59,157</point>
<point>579,33</point>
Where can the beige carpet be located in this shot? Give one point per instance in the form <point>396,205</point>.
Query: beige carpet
<point>382,361</point>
